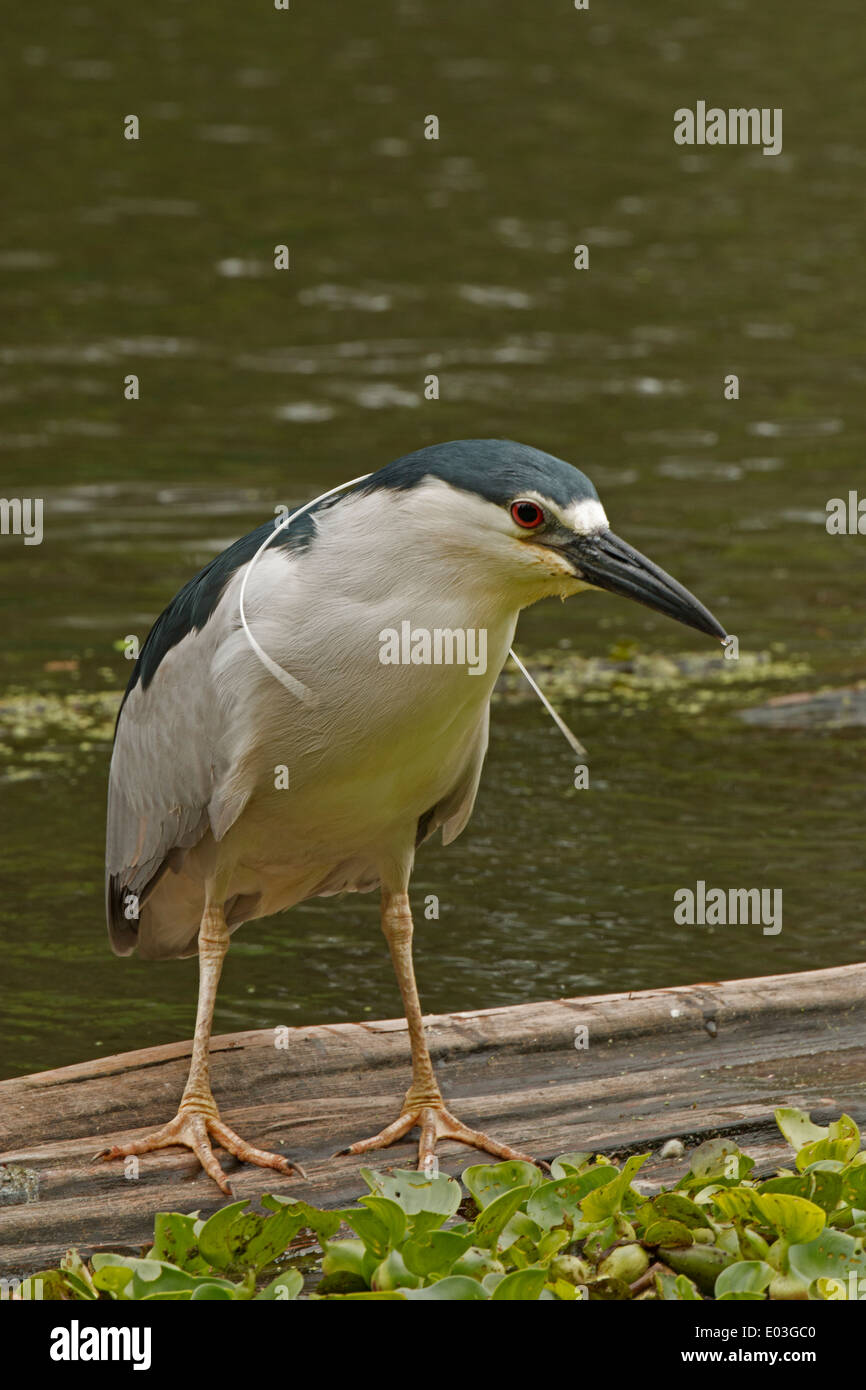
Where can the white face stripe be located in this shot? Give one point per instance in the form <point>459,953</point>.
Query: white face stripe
<point>587,517</point>
<point>584,518</point>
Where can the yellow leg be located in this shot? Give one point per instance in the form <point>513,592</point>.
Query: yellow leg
<point>423,1105</point>
<point>198,1118</point>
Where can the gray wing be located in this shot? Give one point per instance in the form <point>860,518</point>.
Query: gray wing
<point>454,810</point>
<point>165,766</point>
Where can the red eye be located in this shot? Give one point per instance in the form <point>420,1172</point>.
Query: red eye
<point>527,514</point>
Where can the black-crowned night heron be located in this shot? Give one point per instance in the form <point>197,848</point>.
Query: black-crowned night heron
<point>388,612</point>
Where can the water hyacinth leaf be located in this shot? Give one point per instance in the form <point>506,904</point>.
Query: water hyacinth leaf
<point>491,1222</point>
<point>523,1286</point>
<point>520,1227</point>
<point>434,1253</point>
<point>831,1290</point>
<point>226,1233</point>
<point>734,1203</point>
<point>415,1192</point>
<point>853,1185</point>
<point>487,1181</point>
<point>49,1285</point>
<point>210,1293</point>
<point>794,1218</point>
<point>393,1274</point>
<point>347,1255</point>
<point>605,1201</point>
<point>667,1232</point>
<point>284,1289</point>
<point>841,1144</point>
<point>323,1223</point>
<point>392,1217</point>
<point>745,1277</point>
<point>832,1255</point>
<point>113,1280</point>
<point>79,1288</point>
<point>455,1289</point>
<point>821,1187</point>
<point>553,1202</point>
<point>550,1244</point>
<point>674,1206</point>
<point>368,1296</point>
<point>716,1161</point>
<point>567,1165</point>
<point>367,1225</point>
<point>797,1127</point>
<point>676,1288</point>
<point>175,1240</point>
<point>77,1274</point>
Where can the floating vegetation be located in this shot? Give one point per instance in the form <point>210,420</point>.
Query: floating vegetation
<point>581,1232</point>
<point>689,682</point>
<point>38,730</point>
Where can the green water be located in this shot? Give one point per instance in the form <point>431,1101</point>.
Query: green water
<point>258,387</point>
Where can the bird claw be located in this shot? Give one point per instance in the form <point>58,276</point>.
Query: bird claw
<point>435,1123</point>
<point>192,1128</point>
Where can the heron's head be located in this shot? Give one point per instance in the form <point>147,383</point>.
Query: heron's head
<point>529,523</point>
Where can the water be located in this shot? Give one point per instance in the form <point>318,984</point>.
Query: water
<point>411,257</point>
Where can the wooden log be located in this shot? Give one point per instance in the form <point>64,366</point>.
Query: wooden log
<point>687,1062</point>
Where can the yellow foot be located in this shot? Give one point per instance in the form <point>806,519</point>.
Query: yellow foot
<point>435,1123</point>
<point>191,1127</point>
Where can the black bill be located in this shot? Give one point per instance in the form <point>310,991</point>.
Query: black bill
<point>606,562</point>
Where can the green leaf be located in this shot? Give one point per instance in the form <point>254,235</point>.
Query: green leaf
<point>176,1242</point>
<point>373,1232</point>
<point>676,1288</point>
<point>797,1127</point>
<point>392,1217</point>
<point>667,1233</point>
<point>842,1142</point>
<point>342,1255</point>
<point>324,1224</point>
<point>455,1289</point>
<point>226,1233</point>
<point>794,1218</point>
<point>605,1201</point>
<point>673,1206</point>
<point>745,1276</point>
<point>524,1286</point>
<point>487,1181</point>
<point>206,1292</point>
<point>491,1222</point>
<point>737,1203</point>
<point>416,1192</point>
<point>284,1289</point>
<point>832,1255</point>
<point>392,1273</point>
<point>435,1253</point>
<point>821,1187</point>
<point>716,1161</point>
<point>567,1165</point>
<point>112,1279</point>
<point>554,1202</point>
